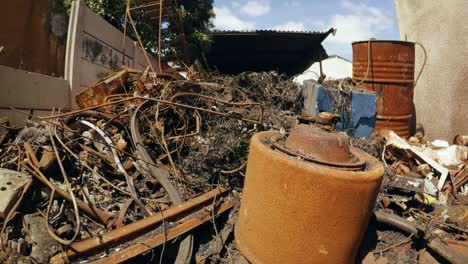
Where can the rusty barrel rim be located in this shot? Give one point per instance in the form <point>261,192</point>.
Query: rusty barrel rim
<point>383,41</point>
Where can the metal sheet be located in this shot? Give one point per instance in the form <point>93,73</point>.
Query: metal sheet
<point>34,36</point>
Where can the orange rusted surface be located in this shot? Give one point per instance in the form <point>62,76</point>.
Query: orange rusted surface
<point>320,144</point>
<point>34,36</point>
<point>294,211</point>
<point>391,76</point>
<point>399,124</point>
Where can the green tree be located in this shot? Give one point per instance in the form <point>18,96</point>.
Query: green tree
<point>196,17</point>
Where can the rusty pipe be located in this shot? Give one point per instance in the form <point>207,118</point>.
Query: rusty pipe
<point>130,230</point>
<point>399,223</point>
<point>140,248</point>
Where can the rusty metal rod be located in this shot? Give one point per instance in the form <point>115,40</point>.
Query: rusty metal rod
<point>139,40</point>
<point>174,232</point>
<point>31,153</point>
<point>127,231</point>
<point>92,211</point>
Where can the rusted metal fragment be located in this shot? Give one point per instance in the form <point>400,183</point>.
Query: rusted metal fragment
<point>31,154</point>
<point>38,41</point>
<point>317,143</point>
<point>426,258</point>
<point>199,218</point>
<point>140,83</point>
<point>406,183</point>
<point>96,94</point>
<point>123,210</point>
<point>47,159</point>
<point>455,252</point>
<point>136,228</point>
<point>459,179</point>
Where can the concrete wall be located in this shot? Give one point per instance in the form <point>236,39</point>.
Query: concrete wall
<point>95,50</point>
<point>33,36</point>
<point>441,94</point>
<point>30,92</point>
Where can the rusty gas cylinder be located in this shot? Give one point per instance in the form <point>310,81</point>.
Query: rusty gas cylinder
<point>307,198</point>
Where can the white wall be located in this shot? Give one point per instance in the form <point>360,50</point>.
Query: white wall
<point>94,50</point>
<point>333,67</point>
<point>441,94</point>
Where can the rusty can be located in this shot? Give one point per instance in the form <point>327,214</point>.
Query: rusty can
<point>307,200</point>
<point>391,75</point>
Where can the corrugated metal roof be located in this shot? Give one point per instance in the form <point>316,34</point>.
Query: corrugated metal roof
<point>272,31</point>
<point>287,52</point>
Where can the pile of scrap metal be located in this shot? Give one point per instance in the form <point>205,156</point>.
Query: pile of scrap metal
<point>149,158</point>
<point>146,160</point>
<point>425,196</point>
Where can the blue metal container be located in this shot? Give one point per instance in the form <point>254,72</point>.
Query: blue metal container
<point>360,122</point>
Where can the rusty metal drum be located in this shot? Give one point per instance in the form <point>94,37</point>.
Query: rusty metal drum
<point>391,75</point>
<point>307,198</point>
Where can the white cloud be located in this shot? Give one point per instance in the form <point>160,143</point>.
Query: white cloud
<point>291,26</point>
<point>356,22</point>
<point>360,22</point>
<point>256,8</point>
<point>226,20</point>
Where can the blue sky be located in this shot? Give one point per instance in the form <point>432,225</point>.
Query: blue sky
<point>355,20</point>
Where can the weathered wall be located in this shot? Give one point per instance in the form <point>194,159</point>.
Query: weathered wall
<point>33,35</point>
<point>95,50</point>
<point>30,92</point>
<point>441,95</point>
